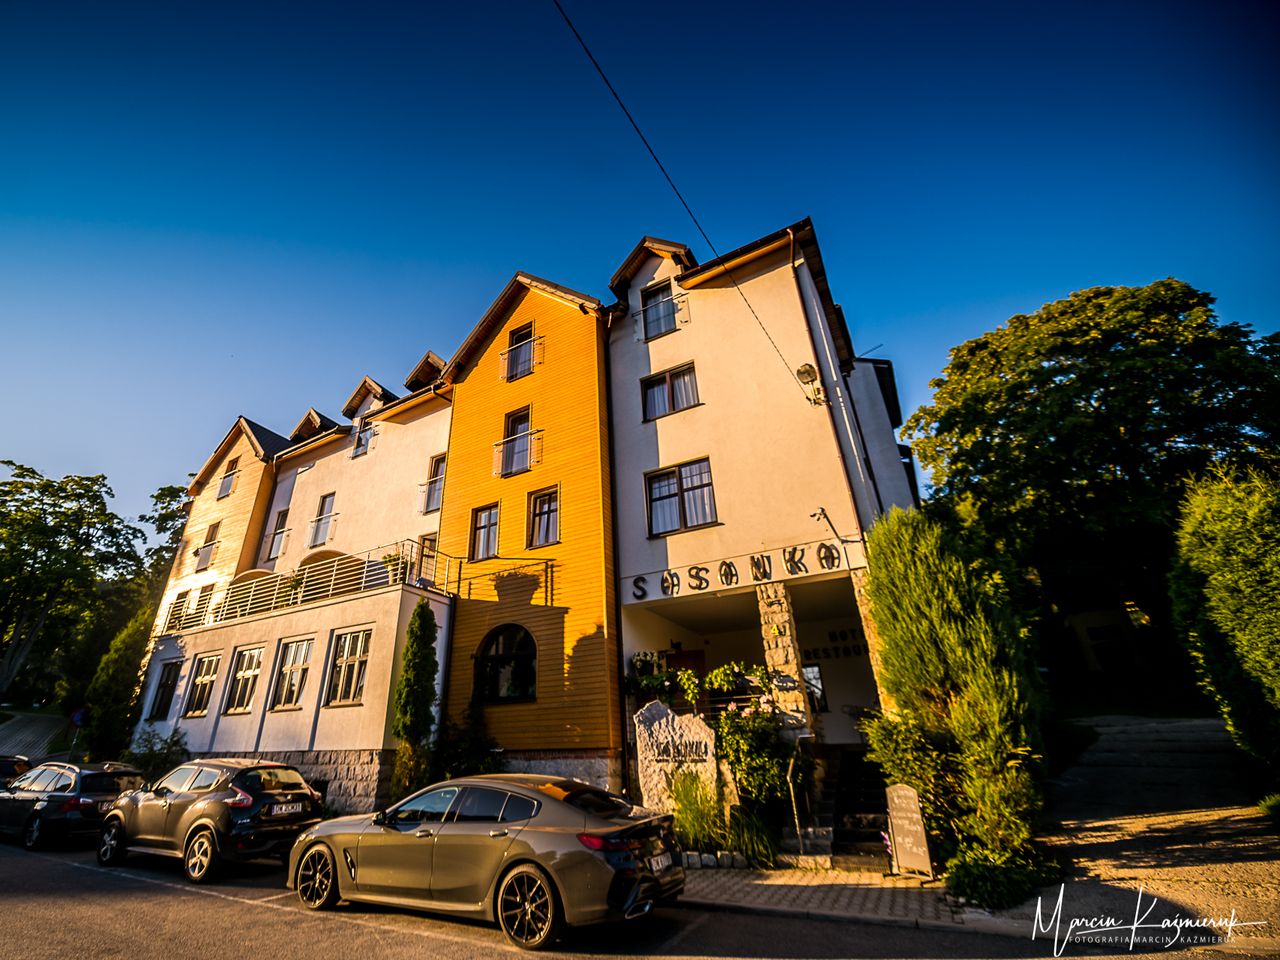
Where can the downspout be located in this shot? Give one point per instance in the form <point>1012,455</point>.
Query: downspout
<point>863,525</point>
<point>613,522</point>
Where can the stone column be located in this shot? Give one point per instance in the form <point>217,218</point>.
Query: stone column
<point>782,654</point>
<point>860,577</point>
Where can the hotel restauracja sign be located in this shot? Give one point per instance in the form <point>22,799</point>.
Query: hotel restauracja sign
<point>767,566</point>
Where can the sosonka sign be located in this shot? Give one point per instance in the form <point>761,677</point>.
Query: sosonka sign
<point>767,566</point>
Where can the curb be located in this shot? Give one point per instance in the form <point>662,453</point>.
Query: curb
<point>985,925</point>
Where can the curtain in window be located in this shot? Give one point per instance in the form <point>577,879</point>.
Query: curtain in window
<point>684,389</point>
<point>655,399</point>
<point>699,500</point>
<point>664,503</point>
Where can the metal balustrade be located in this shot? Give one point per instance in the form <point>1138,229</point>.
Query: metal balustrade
<point>403,563</point>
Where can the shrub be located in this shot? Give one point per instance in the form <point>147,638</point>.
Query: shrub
<point>699,817</point>
<point>955,658</point>
<point>113,693</point>
<point>1270,805</point>
<point>751,835</point>
<point>415,701</point>
<point>155,755</point>
<point>1226,598</point>
<point>750,741</point>
<point>466,749</point>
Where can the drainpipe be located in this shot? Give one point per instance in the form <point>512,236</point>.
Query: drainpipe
<point>858,439</point>
<point>613,518</point>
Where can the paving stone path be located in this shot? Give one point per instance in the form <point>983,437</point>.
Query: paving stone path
<point>29,734</point>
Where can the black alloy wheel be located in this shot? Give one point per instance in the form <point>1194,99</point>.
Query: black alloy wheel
<point>317,879</point>
<point>527,909</point>
<point>111,848</point>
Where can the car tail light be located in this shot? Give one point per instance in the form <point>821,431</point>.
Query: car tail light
<point>70,804</point>
<point>241,799</point>
<point>594,841</point>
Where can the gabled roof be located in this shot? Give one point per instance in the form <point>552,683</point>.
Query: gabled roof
<point>648,247</point>
<point>426,372</point>
<point>803,237</point>
<point>312,422</point>
<point>265,443</point>
<point>368,386</point>
<point>493,317</point>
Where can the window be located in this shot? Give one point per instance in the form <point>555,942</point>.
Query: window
<point>205,779</point>
<point>167,684</point>
<point>175,781</point>
<point>291,675</point>
<point>244,678</point>
<point>515,443</point>
<point>427,559</point>
<point>658,309</point>
<point>484,532</point>
<point>350,657</point>
<point>276,544</point>
<point>814,687</point>
<point>507,665</point>
<point>61,782</point>
<point>435,485</point>
<point>429,807</point>
<point>197,615</point>
<point>669,392</point>
<point>364,436</point>
<point>480,805</point>
<point>228,482</point>
<point>204,555</point>
<point>544,518</point>
<point>518,808</point>
<point>520,352</point>
<point>204,673</point>
<point>176,610</point>
<point>681,498</point>
<point>320,526</point>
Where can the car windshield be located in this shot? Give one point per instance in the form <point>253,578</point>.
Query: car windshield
<point>271,780</point>
<point>116,782</point>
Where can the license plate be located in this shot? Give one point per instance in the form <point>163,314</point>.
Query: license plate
<point>281,809</point>
<point>660,863</point>
<point>104,806</point>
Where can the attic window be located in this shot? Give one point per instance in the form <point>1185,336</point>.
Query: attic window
<point>228,482</point>
<point>364,436</point>
<point>658,308</point>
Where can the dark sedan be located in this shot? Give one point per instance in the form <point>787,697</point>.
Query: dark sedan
<point>62,800</point>
<point>531,853</point>
<point>209,811</point>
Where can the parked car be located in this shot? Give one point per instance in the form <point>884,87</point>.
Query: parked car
<point>12,766</point>
<point>528,852</point>
<point>62,800</point>
<point>207,812</point>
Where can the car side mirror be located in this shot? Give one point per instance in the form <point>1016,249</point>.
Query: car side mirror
<point>380,818</point>
<point>144,787</point>
<point>162,791</point>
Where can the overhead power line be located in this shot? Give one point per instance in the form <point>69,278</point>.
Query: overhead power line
<point>679,196</point>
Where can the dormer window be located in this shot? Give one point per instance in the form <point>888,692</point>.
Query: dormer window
<point>658,310</point>
<point>228,482</point>
<point>364,436</point>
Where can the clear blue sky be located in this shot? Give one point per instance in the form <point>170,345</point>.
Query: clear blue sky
<point>213,209</point>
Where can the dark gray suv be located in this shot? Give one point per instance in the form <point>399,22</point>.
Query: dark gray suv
<point>209,811</point>
<point>57,801</point>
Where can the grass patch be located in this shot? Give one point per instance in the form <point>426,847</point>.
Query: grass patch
<point>1270,805</point>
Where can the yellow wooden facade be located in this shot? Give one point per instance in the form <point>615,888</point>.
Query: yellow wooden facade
<point>571,613</point>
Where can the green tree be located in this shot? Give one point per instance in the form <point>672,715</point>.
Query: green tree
<point>415,701</point>
<point>112,694</point>
<point>1064,437</point>
<point>955,659</point>
<point>59,542</point>
<point>1226,591</point>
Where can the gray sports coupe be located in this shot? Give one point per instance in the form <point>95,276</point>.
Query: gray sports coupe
<point>531,853</point>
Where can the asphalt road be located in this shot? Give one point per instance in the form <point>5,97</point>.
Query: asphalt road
<point>61,904</point>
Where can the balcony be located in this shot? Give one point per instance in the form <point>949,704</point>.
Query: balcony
<point>321,529</point>
<point>517,454</point>
<point>519,360</point>
<point>403,563</point>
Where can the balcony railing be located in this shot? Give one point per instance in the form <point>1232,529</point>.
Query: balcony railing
<point>402,563</point>
<point>517,454</point>
<point>519,361</point>
<point>321,529</point>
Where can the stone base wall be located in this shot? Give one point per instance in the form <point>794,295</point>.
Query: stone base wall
<point>600,768</point>
<point>352,781</point>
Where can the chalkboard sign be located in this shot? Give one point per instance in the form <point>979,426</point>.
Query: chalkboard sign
<point>906,832</point>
